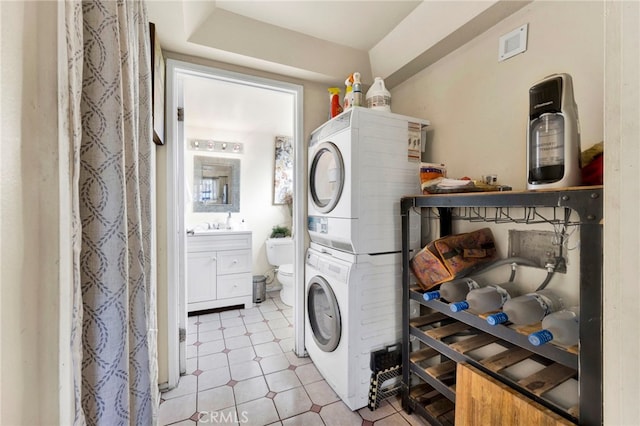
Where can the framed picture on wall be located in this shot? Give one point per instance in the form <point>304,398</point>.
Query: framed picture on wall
<point>157,87</point>
<point>283,171</point>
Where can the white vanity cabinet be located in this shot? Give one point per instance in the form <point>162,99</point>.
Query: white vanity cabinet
<point>219,270</point>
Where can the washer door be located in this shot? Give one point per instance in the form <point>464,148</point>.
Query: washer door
<point>324,314</point>
<point>326,177</point>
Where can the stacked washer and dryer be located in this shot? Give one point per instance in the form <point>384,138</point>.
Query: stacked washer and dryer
<point>360,164</point>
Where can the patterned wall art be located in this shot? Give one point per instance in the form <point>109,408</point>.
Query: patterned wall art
<point>283,171</point>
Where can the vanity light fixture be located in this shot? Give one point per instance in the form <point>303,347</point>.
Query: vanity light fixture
<point>216,146</point>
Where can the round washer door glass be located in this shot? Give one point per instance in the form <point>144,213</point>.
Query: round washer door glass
<point>324,314</point>
<point>326,177</point>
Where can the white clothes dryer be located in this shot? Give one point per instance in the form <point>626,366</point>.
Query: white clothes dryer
<point>360,164</point>
<point>353,307</point>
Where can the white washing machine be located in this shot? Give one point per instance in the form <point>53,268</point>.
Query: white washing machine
<point>353,307</point>
<point>360,164</point>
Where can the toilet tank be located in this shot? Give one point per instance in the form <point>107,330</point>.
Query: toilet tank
<point>279,251</point>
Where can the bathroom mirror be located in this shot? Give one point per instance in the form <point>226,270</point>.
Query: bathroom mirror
<point>216,184</point>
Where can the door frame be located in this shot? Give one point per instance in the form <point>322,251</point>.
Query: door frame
<point>176,232</point>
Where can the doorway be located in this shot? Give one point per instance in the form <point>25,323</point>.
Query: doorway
<point>190,85</point>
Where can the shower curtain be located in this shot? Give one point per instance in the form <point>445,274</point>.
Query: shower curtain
<point>108,114</point>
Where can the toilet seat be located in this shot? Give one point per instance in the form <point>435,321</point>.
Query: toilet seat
<point>286,270</point>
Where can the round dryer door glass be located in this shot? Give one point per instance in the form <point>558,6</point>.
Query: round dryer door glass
<point>326,177</point>
<point>324,314</point>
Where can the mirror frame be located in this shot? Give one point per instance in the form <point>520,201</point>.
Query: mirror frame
<point>234,191</point>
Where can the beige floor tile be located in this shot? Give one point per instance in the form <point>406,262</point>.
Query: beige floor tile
<point>176,409</point>
<point>339,414</point>
<point>212,361</point>
<point>321,393</point>
<point>226,416</point>
<point>273,315</point>
<point>208,326</point>
<point>256,327</point>
<point>262,337</point>
<point>184,423</point>
<point>186,385</point>
<point>292,402</point>
<point>307,419</point>
<point>237,342</point>
<point>286,344</point>
<point>283,333</point>
<point>393,420</point>
<point>296,360</point>
<point>278,323</point>
<point>268,306</point>
<point>213,378</point>
<point>308,373</point>
<point>191,365</point>
<point>384,410</point>
<point>209,317</point>
<point>240,355</point>
<point>210,336</point>
<point>254,310</point>
<point>250,389</point>
<point>264,350</point>
<point>253,319</point>
<point>245,370</point>
<point>232,313</point>
<point>208,348</point>
<point>257,412</point>
<point>191,339</point>
<point>282,380</point>
<point>192,351</point>
<point>216,399</point>
<point>234,331</point>
<point>232,322</point>
<point>274,363</point>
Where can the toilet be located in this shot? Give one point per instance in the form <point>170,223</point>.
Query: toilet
<point>280,254</point>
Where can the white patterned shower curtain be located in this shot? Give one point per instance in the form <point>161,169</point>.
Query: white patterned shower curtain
<point>108,110</point>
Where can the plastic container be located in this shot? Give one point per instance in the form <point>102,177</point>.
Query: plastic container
<point>453,291</point>
<point>486,299</point>
<point>378,97</point>
<point>561,327</point>
<point>528,309</point>
<point>347,102</point>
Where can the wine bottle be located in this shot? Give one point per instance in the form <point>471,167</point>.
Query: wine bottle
<point>453,291</point>
<point>528,309</point>
<point>561,327</point>
<point>486,299</point>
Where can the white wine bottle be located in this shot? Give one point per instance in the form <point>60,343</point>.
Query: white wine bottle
<point>561,327</point>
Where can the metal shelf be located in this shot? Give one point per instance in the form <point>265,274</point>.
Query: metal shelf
<point>500,207</point>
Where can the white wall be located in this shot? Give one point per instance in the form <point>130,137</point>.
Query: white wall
<point>30,287</point>
<point>478,106</point>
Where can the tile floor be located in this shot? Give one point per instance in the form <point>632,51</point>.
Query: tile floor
<point>241,370</point>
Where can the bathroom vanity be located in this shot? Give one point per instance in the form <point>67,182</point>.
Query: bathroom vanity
<point>219,269</point>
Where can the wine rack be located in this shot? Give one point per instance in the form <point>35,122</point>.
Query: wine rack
<point>429,382</point>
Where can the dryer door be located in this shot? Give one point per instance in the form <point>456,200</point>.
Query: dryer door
<point>324,314</point>
<point>326,177</point>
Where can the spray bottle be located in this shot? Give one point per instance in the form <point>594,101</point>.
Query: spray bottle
<point>357,90</point>
<point>334,102</point>
<point>348,96</point>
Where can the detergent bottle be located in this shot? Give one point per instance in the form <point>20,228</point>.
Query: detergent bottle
<point>378,97</point>
<point>334,102</point>
<point>348,96</point>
